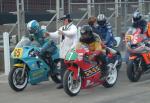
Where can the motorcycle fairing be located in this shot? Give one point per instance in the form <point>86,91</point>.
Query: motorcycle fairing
<point>146,57</point>
<point>38,70</point>
<point>91,71</point>
<point>91,75</point>
<point>132,57</point>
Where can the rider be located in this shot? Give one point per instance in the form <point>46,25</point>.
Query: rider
<point>105,31</point>
<point>93,24</point>
<point>137,22</point>
<point>94,44</point>
<point>37,36</point>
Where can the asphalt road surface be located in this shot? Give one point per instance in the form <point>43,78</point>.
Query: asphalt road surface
<point>123,92</point>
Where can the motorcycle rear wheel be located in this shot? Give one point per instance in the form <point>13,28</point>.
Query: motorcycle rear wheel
<point>71,87</point>
<point>16,82</point>
<point>111,78</point>
<point>132,71</point>
<point>57,77</point>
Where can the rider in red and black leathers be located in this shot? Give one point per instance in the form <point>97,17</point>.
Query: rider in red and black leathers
<point>137,22</point>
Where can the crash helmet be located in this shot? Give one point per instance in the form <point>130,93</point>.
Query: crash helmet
<point>101,19</point>
<point>136,16</point>
<point>33,26</point>
<point>87,35</point>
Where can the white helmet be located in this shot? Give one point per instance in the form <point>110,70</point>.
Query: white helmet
<point>136,16</point>
<point>101,19</point>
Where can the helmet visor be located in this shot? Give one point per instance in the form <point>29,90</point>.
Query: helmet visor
<point>136,19</point>
<point>32,31</point>
<point>102,22</point>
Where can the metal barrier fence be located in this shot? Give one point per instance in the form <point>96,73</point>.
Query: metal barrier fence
<point>119,14</point>
<point>33,8</point>
<point>30,5</point>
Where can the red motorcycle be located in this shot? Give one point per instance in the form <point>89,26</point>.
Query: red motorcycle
<point>83,73</point>
<point>139,54</point>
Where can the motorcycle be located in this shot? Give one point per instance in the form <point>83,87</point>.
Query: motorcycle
<point>83,73</point>
<point>139,56</point>
<point>29,67</point>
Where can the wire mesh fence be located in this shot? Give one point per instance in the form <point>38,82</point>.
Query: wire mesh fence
<point>80,12</point>
<point>30,5</point>
<point>125,11</point>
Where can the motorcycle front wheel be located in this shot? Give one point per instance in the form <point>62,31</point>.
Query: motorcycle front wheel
<point>16,81</point>
<point>71,87</point>
<point>119,58</point>
<point>133,71</point>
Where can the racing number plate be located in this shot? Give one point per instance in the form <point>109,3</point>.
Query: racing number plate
<point>18,52</point>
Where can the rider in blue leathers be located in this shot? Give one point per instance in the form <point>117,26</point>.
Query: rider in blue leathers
<point>104,30</point>
<point>101,27</point>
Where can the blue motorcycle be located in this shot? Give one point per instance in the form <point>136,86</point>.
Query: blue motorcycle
<point>30,67</point>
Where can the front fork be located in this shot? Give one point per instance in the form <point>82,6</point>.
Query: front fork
<point>24,67</point>
<point>76,72</point>
<point>139,66</point>
<point>139,63</point>
<point>115,64</point>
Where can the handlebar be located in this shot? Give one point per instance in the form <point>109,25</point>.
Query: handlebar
<point>139,49</point>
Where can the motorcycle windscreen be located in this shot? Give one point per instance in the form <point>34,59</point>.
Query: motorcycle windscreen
<point>71,56</point>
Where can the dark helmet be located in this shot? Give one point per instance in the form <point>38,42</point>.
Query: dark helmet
<point>86,34</point>
<point>67,16</point>
<point>137,16</point>
<point>101,19</point>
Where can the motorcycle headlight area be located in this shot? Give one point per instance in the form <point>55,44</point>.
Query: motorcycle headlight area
<point>33,53</point>
<point>80,56</point>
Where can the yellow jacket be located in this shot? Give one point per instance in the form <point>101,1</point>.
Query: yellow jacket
<point>94,46</point>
